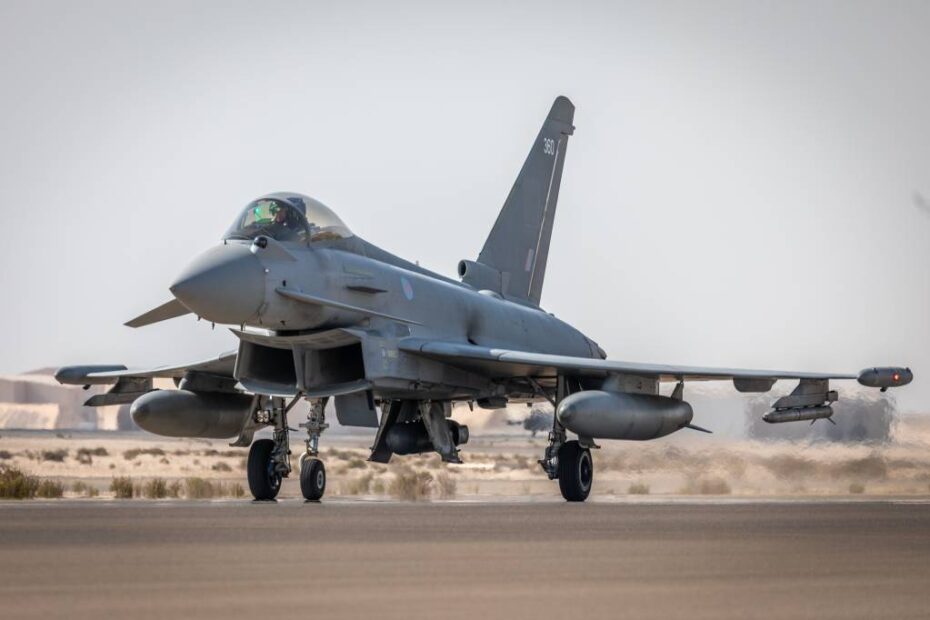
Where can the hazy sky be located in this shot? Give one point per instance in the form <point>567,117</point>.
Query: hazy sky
<point>738,191</point>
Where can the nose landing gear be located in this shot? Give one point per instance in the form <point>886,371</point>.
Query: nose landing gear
<point>312,472</point>
<point>269,461</point>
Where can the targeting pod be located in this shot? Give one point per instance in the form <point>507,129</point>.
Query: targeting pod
<point>412,438</point>
<point>885,377</point>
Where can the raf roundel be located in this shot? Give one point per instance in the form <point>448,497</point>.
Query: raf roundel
<point>408,288</point>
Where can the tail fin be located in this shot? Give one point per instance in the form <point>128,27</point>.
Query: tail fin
<point>518,245</point>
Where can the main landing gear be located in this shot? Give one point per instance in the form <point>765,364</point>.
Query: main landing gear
<point>569,461</point>
<point>269,459</point>
<point>576,471</point>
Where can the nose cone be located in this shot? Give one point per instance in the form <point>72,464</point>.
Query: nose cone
<point>225,284</point>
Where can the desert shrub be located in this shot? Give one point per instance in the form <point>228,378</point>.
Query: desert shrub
<point>874,467</point>
<point>57,456</point>
<point>5,455</point>
<point>355,463</point>
<point>447,485</point>
<point>410,485</point>
<point>134,452</point>
<point>377,486</point>
<point>857,488</point>
<point>14,484</point>
<point>198,488</point>
<point>82,488</point>
<point>50,488</point>
<point>156,488</point>
<point>790,466</point>
<point>214,452</point>
<point>174,489</point>
<point>360,485</point>
<point>121,487</point>
<point>221,466</point>
<point>638,488</point>
<point>84,458</point>
<point>713,486</point>
<point>98,451</point>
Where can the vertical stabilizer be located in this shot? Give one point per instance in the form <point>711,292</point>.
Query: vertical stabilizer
<point>518,245</point>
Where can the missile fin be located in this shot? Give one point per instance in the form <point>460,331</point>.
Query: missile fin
<point>695,427</point>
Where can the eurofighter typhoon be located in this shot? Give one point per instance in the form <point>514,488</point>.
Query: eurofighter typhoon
<point>322,314</point>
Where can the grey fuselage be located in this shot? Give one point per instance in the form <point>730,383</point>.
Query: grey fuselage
<point>347,342</point>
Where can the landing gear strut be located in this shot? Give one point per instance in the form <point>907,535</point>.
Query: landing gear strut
<point>312,472</point>
<point>569,461</point>
<point>269,460</point>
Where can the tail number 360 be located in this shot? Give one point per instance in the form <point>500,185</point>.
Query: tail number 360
<point>548,146</point>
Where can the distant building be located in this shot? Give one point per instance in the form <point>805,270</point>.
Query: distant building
<point>35,400</point>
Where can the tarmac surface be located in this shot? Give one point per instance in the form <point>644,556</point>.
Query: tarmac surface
<point>513,559</point>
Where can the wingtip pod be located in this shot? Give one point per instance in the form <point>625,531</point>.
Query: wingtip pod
<point>885,377</point>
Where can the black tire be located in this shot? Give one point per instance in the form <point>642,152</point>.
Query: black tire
<point>264,481</point>
<point>576,471</point>
<point>312,479</point>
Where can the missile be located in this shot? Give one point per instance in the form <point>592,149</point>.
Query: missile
<point>183,413</point>
<point>600,414</point>
<point>797,414</point>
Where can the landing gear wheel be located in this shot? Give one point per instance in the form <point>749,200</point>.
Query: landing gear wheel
<point>312,478</point>
<point>264,479</point>
<point>576,471</point>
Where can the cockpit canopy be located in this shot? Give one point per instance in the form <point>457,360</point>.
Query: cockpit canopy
<point>288,217</point>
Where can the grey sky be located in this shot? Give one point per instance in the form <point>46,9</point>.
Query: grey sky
<point>738,191</point>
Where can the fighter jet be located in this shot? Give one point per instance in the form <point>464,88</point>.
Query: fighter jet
<point>322,314</point>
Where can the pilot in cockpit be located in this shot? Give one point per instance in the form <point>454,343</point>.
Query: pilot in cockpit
<point>285,223</point>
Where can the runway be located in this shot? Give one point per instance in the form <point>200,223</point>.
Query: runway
<point>358,559</point>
